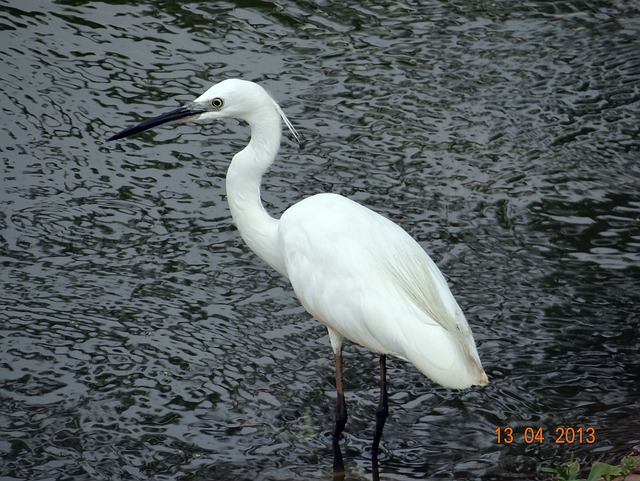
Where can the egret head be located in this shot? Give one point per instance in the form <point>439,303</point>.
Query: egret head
<point>232,98</point>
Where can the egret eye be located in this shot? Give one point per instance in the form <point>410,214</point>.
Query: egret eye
<point>217,103</point>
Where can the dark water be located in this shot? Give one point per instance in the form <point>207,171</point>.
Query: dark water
<point>140,339</point>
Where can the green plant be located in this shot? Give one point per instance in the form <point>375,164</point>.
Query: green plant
<point>598,470</point>
<point>568,473</point>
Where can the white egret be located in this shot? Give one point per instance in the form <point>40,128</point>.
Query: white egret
<point>355,271</point>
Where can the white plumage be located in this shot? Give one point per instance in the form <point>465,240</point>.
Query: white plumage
<point>366,279</point>
<point>355,271</point>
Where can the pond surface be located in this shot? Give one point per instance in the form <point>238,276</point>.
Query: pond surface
<point>141,339</point>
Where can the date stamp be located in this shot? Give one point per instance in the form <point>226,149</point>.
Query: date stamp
<point>559,435</point>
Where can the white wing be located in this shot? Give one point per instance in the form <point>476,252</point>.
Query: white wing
<point>364,277</point>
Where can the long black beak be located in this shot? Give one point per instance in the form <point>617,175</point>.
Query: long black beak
<point>181,114</point>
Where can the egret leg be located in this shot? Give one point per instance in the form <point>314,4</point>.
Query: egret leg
<point>341,405</point>
<point>383,406</point>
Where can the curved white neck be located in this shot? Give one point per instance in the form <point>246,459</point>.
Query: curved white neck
<point>258,229</point>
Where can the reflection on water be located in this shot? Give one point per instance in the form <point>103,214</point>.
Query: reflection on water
<point>138,336</point>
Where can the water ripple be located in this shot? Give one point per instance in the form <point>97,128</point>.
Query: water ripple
<point>141,339</point>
